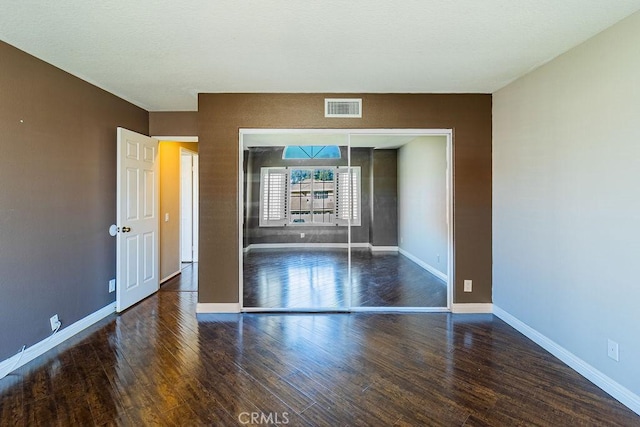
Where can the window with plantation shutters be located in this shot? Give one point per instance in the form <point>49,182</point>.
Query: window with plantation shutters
<point>348,195</point>
<point>273,197</point>
<point>309,196</point>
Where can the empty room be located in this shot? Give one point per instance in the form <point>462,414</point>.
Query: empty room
<point>319,213</point>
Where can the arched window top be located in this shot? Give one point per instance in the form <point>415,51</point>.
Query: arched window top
<point>300,152</point>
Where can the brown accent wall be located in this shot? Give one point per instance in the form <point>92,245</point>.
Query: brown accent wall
<point>220,117</point>
<point>173,123</point>
<point>170,204</point>
<point>57,196</point>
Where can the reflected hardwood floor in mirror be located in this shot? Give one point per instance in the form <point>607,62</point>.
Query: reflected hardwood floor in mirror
<point>157,364</point>
<point>317,278</point>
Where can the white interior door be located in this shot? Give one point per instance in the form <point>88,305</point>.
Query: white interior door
<point>138,204</point>
<point>195,209</point>
<point>186,207</point>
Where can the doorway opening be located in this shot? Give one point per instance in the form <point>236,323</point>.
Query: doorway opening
<point>149,209</point>
<point>174,176</point>
<point>393,251</point>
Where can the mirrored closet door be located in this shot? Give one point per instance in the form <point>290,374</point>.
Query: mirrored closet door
<point>346,221</point>
<point>295,239</point>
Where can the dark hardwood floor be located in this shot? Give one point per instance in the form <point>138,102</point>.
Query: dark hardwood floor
<point>157,364</point>
<point>186,281</point>
<point>317,278</point>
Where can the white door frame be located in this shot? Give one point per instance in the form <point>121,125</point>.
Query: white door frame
<point>174,138</point>
<point>448,133</point>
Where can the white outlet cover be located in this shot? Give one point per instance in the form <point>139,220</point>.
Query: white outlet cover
<point>613,350</point>
<point>54,322</point>
<point>468,285</point>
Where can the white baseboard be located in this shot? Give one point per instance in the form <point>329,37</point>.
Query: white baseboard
<point>612,387</point>
<point>214,307</point>
<point>171,276</point>
<point>360,245</point>
<point>470,308</point>
<point>295,310</point>
<point>303,245</point>
<point>439,274</point>
<point>62,335</point>
<point>398,310</point>
<point>384,248</point>
<point>296,245</point>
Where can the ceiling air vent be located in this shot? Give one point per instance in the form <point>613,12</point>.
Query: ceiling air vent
<point>334,107</point>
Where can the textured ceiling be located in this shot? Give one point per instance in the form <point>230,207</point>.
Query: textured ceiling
<point>159,54</point>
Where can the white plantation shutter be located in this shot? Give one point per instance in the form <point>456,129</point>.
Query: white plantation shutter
<point>275,194</point>
<point>274,190</point>
<point>348,196</point>
<point>355,196</point>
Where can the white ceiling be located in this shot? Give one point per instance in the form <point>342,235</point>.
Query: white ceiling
<point>159,54</point>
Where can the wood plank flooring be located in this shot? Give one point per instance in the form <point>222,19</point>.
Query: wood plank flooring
<point>186,281</point>
<point>157,364</point>
<point>317,278</point>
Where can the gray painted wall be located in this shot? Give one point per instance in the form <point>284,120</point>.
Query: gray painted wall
<point>422,220</point>
<point>566,217</point>
<point>57,197</point>
<point>384,203</point>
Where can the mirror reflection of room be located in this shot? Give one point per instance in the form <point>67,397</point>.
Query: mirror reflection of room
<point>320,235</point>
<point>296,227</point>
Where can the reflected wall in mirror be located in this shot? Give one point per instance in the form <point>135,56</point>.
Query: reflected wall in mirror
<point>406,264</point>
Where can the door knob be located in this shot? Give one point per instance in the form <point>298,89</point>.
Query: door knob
<point>126,229</point>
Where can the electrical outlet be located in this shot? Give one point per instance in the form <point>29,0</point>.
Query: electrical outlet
<point>112,285</point>
<point>612,350</point>
<point>438,258</point>
<point>55,322</point>
<point>468,285</point>
<point>166,217</point>
<point>302,235</point>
